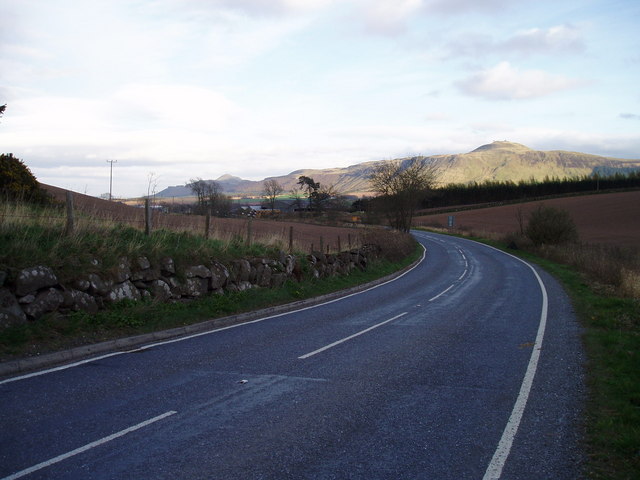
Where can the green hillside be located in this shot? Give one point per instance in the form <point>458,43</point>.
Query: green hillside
<point>495,161</point>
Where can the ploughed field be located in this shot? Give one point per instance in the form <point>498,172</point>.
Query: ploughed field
<point>608,218</point>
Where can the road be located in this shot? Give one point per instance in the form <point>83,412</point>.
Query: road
<point>469,366</point>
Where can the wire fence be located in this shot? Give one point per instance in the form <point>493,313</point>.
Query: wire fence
<point>84,212</point>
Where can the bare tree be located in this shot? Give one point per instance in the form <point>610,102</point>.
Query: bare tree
<point>209,195</point>
<point>152,184</point>
<point>400,186</point>
<point>198,186</point>
<point>271,190</point>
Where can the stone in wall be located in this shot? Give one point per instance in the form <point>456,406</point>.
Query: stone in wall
<point>240,270</point>
<point>32,279</point>
<point>199,271</point>
<point>98,286</point>
<point>10,311</point>
<point>195,287</point>
<point>167,266</point>
<point>76,300</point>
<point>123,270</point>
<point>46,301</point>
<point>219,276</point>
<point>123,291</point>
<point>160,290</point>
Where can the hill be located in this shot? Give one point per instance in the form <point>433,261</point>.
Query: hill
<point>500,160</point>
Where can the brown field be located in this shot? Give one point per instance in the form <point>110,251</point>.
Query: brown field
<point>305,235</point>
<point>610,218</point>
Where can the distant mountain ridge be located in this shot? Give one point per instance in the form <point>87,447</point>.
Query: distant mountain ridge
<point>500,161</point>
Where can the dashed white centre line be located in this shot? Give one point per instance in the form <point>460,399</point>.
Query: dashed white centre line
<point>89,446</point>
<point>331,345</point>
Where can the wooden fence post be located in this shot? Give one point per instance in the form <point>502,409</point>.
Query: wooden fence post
<point>147,217</point>
<point>207,224</point>
<point>249,229</point>
<point>321,244</point>
<point>70,224</point>
<point>339,244</point>
<point>291,239</point>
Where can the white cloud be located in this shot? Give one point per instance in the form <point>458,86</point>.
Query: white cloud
<point>178,106</point>
<point>388,17</point>
<point>559,39</point>
<point>457,7</point>
<point>504,82</point>
<point>249,7</point>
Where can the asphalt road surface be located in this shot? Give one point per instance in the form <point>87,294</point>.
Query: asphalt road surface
<point>469,366</point>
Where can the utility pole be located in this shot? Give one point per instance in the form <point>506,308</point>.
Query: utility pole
<point>111,176</point>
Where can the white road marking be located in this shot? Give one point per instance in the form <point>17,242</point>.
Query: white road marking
<point>464,273</point>
<point>62,367</point>
<point>89,446</point>
<point>209,332</point>
<point>494,470</point>
<point>331,345</point>
<point>442,293</point>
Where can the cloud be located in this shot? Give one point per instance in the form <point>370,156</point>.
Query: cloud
<point>178,106</point>
<point>457,7</point>
<point>559,39</point>
<point>630,116</point>
<point>504,82</point>
<point>389,17</point>
<point>252,7</point>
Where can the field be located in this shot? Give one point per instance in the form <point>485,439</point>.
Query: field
<point>611,218</point>
<point>305,235</point>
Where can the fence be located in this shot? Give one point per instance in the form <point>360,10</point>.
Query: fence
<point>82,211</point>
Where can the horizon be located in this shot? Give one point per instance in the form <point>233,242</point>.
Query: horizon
<point>259,89</point>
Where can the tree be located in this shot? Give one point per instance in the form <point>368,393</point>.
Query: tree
<point>152,184</point>
<point>317,196</point>
<point>2,109</point>
<point>198,187</point>
<point>271,190</point>
<point>210,196</point>
<point>401,185</point>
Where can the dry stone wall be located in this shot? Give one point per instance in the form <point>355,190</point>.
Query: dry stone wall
<point>29,293</point>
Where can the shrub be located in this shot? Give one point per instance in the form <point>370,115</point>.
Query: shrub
<point>17,182</point>
<point>551,226</point>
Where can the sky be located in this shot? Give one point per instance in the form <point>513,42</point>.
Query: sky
<point>180,89</point>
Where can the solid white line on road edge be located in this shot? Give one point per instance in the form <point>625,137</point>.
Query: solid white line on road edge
<point>327,347</point>
<point>494,470</point>
<point>209,332</point>
<point>89,446</point>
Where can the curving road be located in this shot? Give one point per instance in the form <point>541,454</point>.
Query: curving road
<point>467,367</point>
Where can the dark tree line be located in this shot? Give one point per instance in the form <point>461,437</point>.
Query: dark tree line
<point>210,197</point>
<point>499,191</point>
